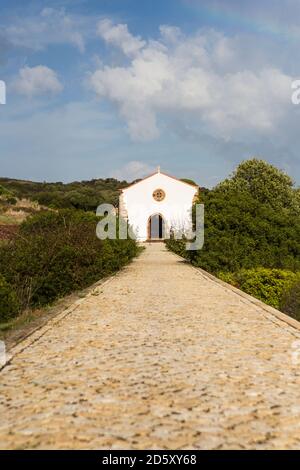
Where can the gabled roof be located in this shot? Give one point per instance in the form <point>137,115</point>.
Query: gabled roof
<point>162,173</point>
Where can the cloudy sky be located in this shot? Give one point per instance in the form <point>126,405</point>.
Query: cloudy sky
<point>99,88</point>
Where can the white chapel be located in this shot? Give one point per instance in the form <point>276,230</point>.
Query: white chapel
<point>158,205</point>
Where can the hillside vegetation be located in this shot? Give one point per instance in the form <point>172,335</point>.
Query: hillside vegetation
<point>84,195</point>
<point>252,234</point>
<point>13,211</point>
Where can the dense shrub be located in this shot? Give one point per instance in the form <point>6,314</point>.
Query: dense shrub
<point>290,302</point>
<point>4,191</point>
<point>177,246</point>
<point>9,306</point>
<point>12,201</point>
<point>56,253</point>
<point>251,219</point>
<point>267,285</point>
<point>241,232</point>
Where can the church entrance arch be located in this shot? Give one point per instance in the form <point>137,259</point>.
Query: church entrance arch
<point>156,227</point>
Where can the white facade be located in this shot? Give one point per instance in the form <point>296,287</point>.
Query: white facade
<point>158,197</point>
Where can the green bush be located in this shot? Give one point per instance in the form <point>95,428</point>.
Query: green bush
<point>9,306</point>
<point>56,253</point>
<point>6,195</point>
<point>290,303</point>
<point>242,232</point>
<point>251,220</point>
<point>4,191</point>
<point>267,285</point>
<point>12,201</point>
<point>177,246</point>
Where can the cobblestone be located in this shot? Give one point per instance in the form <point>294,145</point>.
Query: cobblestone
<point>159,357</point>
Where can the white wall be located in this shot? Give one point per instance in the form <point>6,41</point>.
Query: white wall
<point>175,208</point>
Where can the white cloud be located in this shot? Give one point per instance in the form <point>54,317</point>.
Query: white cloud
<point>170,33</point>
<point>50,26</point>
<point>195,79</point>
<point>132,171</point>
<point>39,80</point>
<point>119,36</point>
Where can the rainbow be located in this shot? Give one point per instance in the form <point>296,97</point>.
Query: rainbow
<point>223,13</point>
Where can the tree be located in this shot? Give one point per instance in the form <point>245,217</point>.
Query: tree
<point>251,219</point>
<point>265,183</point>
<point>188,181</point>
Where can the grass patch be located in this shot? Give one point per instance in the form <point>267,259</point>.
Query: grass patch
<point>7,219</point>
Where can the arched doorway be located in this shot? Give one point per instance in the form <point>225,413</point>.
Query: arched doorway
<point>156,227</point>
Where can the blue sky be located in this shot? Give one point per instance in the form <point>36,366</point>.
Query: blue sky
<point>99,88</point>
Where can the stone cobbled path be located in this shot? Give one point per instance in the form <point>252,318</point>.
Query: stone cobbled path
<point>159,357</point>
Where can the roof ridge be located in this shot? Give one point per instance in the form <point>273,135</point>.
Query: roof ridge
<point>161,173</point>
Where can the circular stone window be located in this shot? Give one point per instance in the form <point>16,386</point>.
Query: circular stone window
<point>159,195</point>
